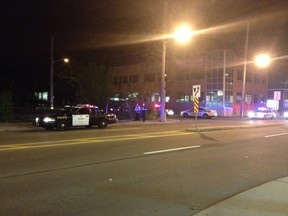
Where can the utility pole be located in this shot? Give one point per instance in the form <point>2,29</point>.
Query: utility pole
<point>51,75</point>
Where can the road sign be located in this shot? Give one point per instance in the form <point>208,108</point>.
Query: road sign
<point>196,91</point>
<point>196,105</point>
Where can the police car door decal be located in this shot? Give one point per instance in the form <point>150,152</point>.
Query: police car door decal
<point>80,120</point>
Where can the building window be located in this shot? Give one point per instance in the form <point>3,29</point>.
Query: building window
<point>115,80</point>
<point>181,97</point>
<point>120,79</point>
<point>238,97</point>
<point>248,98</point>
<point>125,79</point>
<point>255,99</point>
<point>168,98</point>
<point>135,78</point>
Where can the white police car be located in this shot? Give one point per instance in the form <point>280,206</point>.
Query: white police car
<point>262,113</point>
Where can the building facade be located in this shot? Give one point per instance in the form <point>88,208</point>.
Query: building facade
<point>219,73</point>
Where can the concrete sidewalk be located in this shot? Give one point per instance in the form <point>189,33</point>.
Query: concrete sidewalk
<point>270,199</point>
<point>28,125</point>
<point>16,126</point>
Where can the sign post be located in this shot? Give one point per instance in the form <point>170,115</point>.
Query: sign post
<point>196,93</point>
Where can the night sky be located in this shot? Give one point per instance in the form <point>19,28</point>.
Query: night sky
<point>107,25</point>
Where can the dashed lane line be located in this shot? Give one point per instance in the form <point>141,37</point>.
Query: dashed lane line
<point>275,135</point>
<point>171,150</point>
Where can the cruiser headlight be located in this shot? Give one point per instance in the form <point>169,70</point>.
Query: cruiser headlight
<point>250,114</point>
<point>48,119</point>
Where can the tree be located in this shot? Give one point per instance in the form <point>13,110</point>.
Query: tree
<point>92,79</point>
<point>66,85</point>
<point>5,106</point>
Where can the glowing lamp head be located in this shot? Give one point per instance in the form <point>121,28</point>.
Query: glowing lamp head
<point>183,34</point>
<point>262,60</point>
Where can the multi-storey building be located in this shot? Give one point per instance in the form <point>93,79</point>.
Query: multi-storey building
<point>219,73</point>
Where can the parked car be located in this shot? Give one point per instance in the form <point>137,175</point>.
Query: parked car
<point>169,112</point>
<point>84,115</point>
<point>262,113</point>
<point>202,113</point>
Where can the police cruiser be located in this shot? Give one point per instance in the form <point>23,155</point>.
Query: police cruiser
<point>82,115</point>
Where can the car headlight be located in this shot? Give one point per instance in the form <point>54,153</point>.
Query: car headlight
<point>48,119</point>
<point>286,114</point>
<point>250,114</point>
<point>170,112</point>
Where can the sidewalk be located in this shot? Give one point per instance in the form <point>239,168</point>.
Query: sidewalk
<point>15,126</point>
<point>28,125</point>
<point>270,199</point>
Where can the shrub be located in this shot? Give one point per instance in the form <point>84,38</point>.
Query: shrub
<point>5,106</point>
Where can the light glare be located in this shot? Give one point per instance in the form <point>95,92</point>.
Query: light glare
<point>183,34</point>
<point>263,60</point>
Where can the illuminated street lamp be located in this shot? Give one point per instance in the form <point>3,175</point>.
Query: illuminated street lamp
<point>65,60</point>
<point>182,34</point>
<point>262,60</point>
<point>244,71</point>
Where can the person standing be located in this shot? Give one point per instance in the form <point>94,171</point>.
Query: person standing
<point>137,111</point>
<point>143,112</point>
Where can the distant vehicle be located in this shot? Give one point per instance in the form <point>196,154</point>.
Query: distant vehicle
<point>285,114</point>
<point>84,115</point>
<point>262,113</point>
<point>169,112</point>
<point>202,113</point>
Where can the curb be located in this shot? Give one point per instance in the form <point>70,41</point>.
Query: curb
<point>229,128</point>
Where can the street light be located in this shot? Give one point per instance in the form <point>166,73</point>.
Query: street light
<point>65,60</point>
<point>244,71</point>
<point>262,60</point>
<point>182,35</point>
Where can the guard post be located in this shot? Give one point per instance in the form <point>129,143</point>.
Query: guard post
<point>196,92</point>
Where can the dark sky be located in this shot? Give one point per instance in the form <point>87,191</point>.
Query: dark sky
<point>27,26</point>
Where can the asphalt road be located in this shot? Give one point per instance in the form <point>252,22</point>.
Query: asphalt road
<point>138,168</point>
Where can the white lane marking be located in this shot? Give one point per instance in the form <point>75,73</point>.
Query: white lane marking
<point>173,149</point>
<point>274,135</point>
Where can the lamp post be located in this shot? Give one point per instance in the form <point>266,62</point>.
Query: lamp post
<point>163,84</point>
<point>244,71</point>
<point>52,62</point>
<point>182,35</point>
